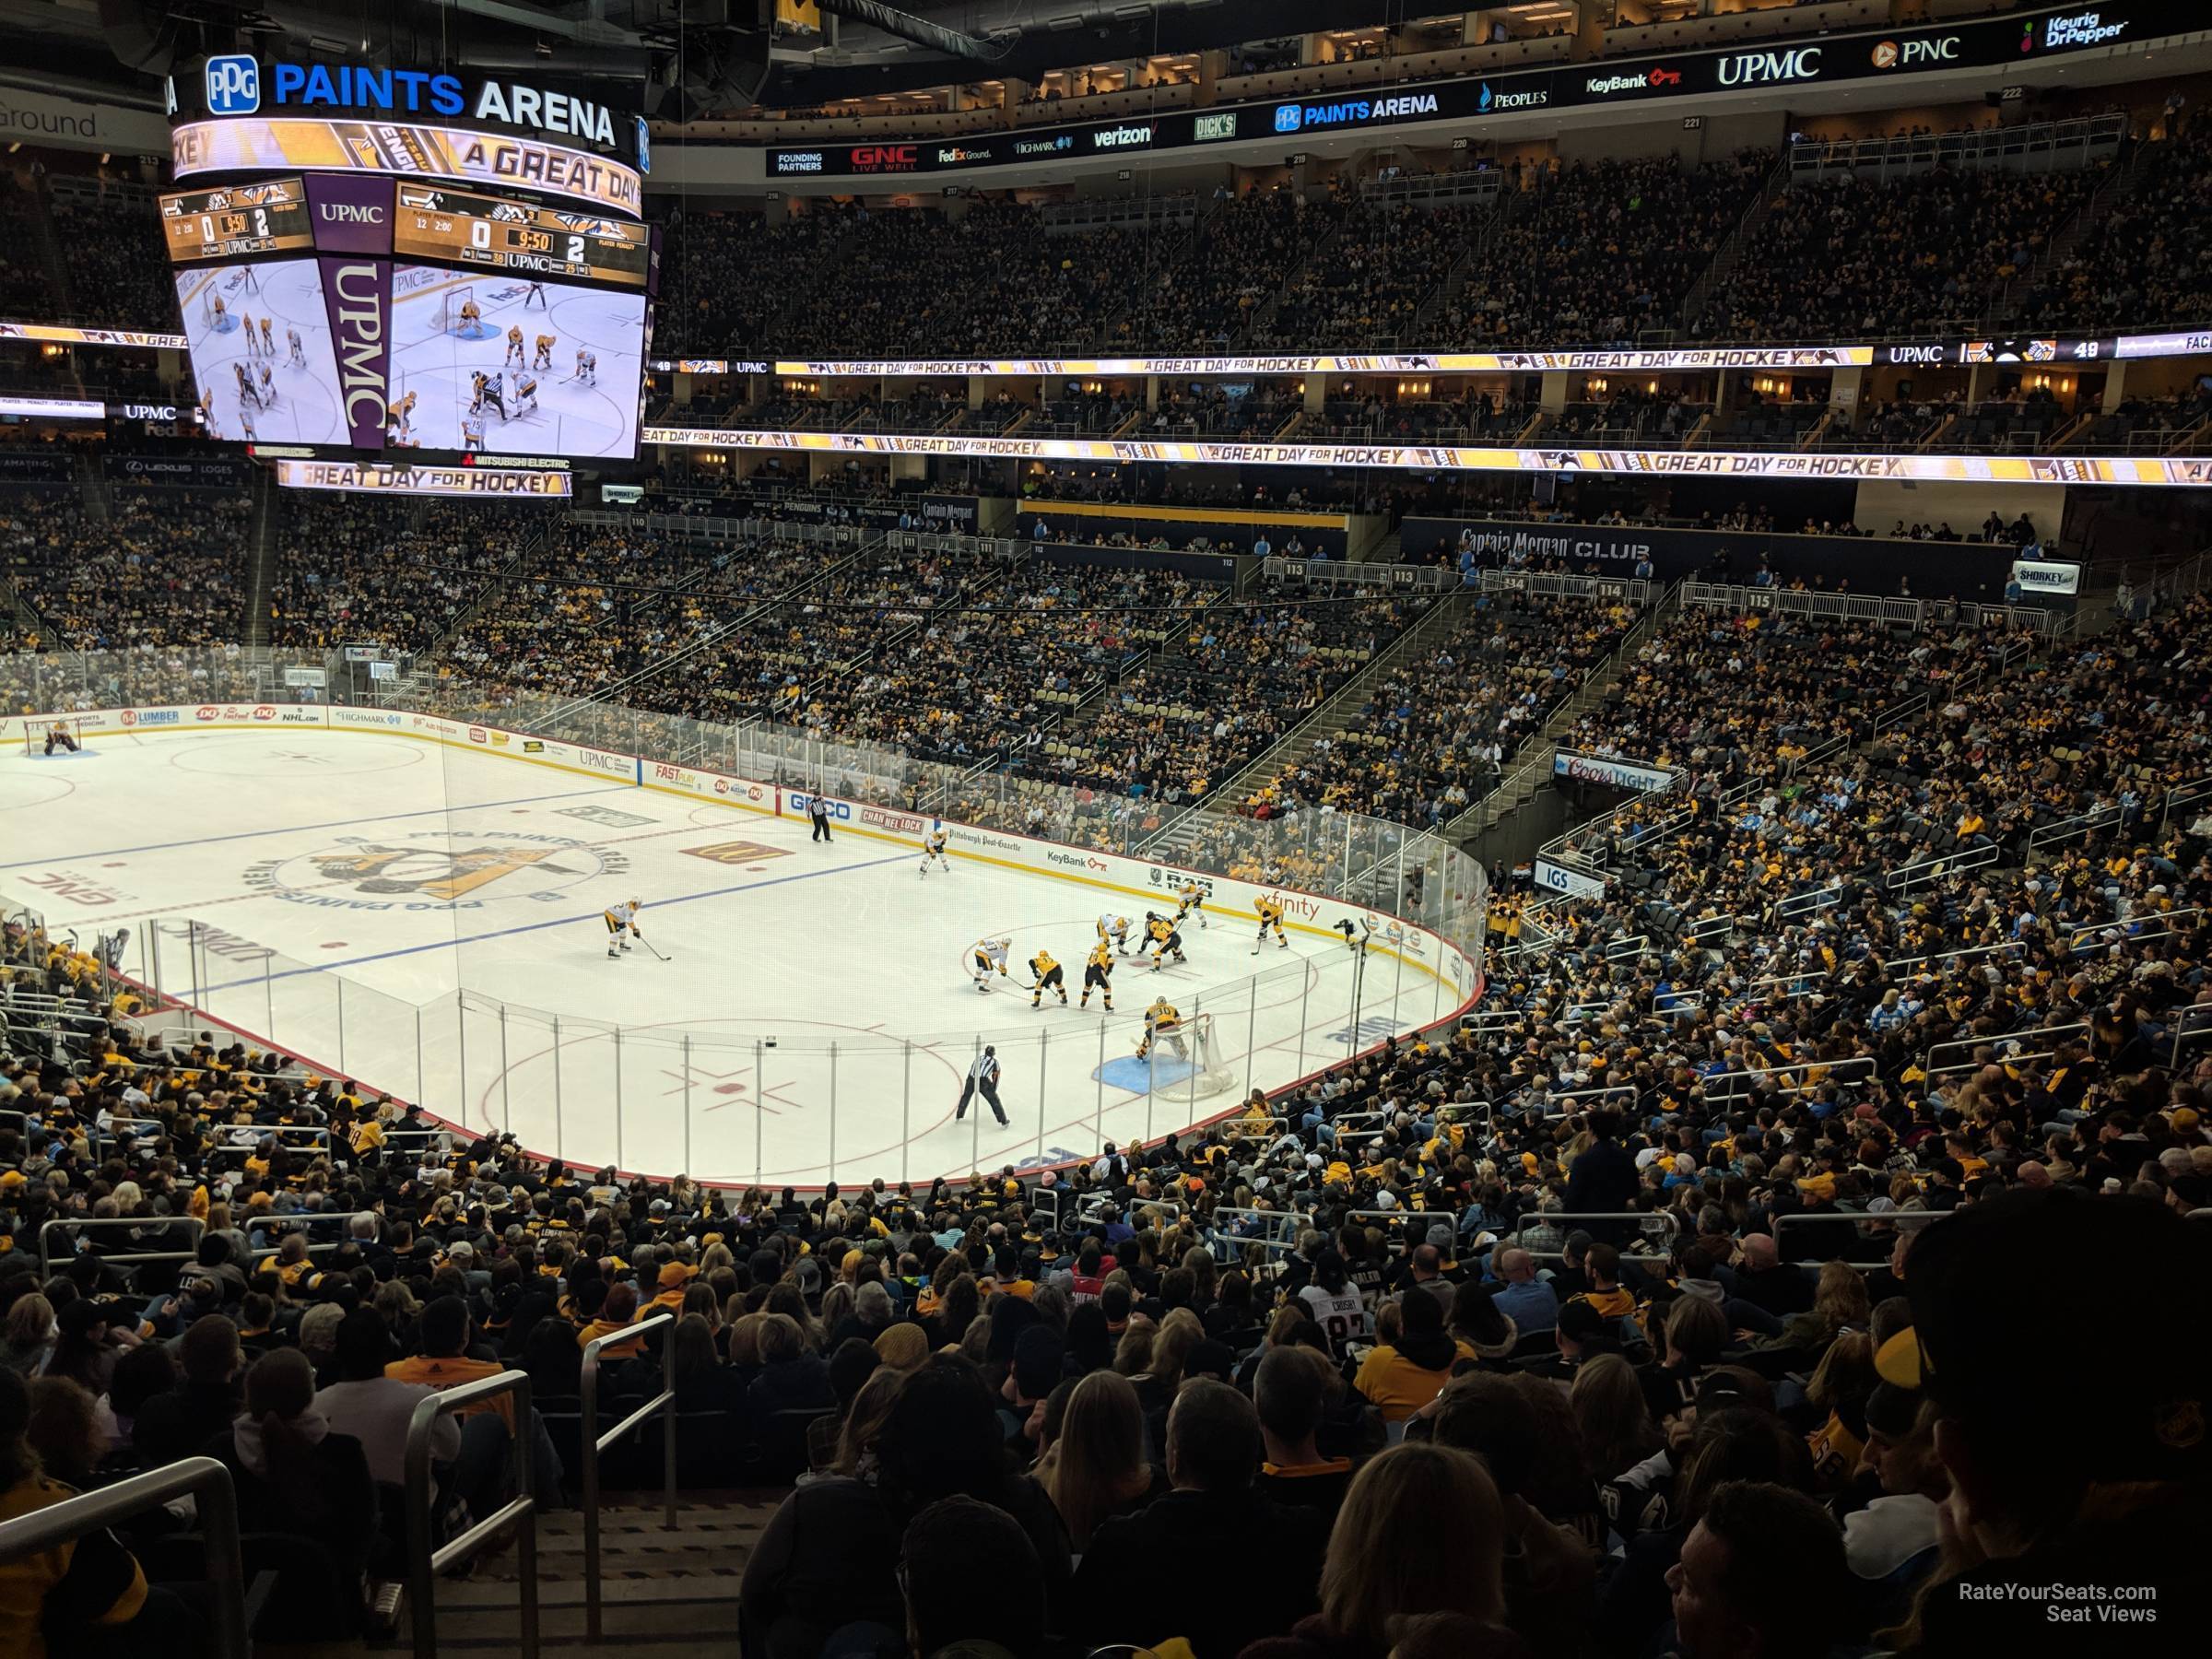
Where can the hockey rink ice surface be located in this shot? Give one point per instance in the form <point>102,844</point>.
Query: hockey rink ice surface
<point>290,292</point>
<point>420,917</point>
<point>570,418</point>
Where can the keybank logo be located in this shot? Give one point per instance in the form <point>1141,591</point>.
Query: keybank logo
<point>233,85</point>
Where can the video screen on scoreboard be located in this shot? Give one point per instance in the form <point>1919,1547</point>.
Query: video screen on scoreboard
<point>501,361</point>
<point>259,339</point>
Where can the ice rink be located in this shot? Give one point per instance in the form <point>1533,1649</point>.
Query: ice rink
<point>428,920</point>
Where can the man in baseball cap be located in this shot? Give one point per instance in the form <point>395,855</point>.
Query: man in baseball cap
<point>2081,1464</point>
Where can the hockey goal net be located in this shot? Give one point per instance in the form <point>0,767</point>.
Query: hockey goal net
<point>35,732</point>
<point>1187,1062</point>
<point>448,307</point>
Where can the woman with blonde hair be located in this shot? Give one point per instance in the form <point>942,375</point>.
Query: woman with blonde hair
<point>1839,1300</point>
<point>1133,1355</point>
<point>1096,1468</point>
<point>1614,1422</point>
<point>28,1340</point>
<point>864,1419</point>
<point>1421,1531</point>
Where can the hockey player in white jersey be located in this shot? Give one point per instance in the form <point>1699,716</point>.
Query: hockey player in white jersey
<point>933,847</point>
<point>1114,930</point>
<point>986,956</point>
<point>622,927</point>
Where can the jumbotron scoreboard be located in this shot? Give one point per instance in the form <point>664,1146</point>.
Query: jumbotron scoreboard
<point>476,288</point>
<point>444,226</point>
<point>238,222</point>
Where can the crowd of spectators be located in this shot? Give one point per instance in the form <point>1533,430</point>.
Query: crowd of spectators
<point>353,570</point>
<point>1223,685</point>
<point>1590,252</point>
<point>1928,252</point>
<point>2144,263</point>
<point>1363,288</point>
<point>1432,736</point>
<point>118,271</point>
<point>157,568</point>
<point>1387,1322</point>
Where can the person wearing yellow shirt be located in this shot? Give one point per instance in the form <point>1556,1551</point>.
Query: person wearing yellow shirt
<point>616,1313</point>
<point>1413,1362</point>
<point>668,1296</point>
<point>443,1363</point>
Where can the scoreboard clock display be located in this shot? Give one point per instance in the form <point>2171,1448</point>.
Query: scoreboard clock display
<point>451,227</point>
<point>238,222</point>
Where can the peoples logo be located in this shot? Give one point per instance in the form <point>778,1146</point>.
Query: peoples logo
<point>433,870</point>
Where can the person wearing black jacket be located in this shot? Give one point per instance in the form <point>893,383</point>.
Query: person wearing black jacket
<point>1214,1451</point>
<point>1603,1179</point>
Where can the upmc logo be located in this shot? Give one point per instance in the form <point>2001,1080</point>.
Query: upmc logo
<point>233,85</point>
<point>1762,68</point>
<point>886,157</point>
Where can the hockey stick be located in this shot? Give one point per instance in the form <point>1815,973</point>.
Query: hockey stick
<point>649,944</point>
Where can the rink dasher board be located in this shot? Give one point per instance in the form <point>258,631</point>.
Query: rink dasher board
<point>1139,880</point>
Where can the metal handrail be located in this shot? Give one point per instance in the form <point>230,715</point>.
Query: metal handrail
<point>300,1220</point>
<point>424,1564</point>
<point>111,1222</point>
<point>1997,1040</point>
<point>594,1443</point>
<point>208,1484</point>
<point>2120,927</point>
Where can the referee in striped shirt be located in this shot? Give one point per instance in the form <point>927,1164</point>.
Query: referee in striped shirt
<point>983,1078</point>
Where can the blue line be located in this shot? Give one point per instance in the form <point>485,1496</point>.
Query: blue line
<point>356,822</point>
<point>382,956</point>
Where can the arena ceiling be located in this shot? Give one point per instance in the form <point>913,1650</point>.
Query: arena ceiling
<point>683,58</point>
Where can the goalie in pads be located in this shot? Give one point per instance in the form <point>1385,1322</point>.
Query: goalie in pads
<point>1163,1020</point>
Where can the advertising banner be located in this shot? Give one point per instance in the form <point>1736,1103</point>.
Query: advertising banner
<point>351,215</point>
<point>2044,576</point>
<point>2183,472</point>
<point>1973,570</point>
<point>255,143</point>
<point>1559,878</point>
<point>357,296</point>
<point>1882,53</point>
<point>1612,774</point>
<point>179,472</point>
<point>393,479</point>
